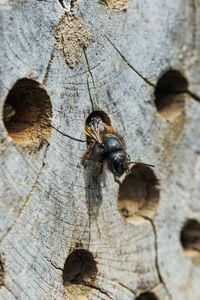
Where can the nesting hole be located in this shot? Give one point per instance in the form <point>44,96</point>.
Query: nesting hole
<point>27,113</point>
<point>98,113</point>
<point>170,94</point>
<point>2,273</point>
<point>138,194</point>
<point>146,296</point>
<point>79,273</point>
<point>190,237</point>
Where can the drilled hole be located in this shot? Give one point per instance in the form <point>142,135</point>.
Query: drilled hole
<point>190,237</point>
<point>79,272</point>
<point>170,94</point>
<point>146,296</point>
<point>98,113</point>
<point>27,113</point>
<point>2,273</point>
<point>138,194</point>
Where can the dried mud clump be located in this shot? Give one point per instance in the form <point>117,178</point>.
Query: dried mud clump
<point>117,4</point>
<point>72,38</point>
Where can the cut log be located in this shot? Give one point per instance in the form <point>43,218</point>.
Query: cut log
<point>65,233</point>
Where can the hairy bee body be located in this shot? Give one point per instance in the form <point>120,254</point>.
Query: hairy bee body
<point>105,146</point>
<point>112,143</point>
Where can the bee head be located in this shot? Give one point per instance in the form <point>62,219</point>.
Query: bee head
<point>118,162</point>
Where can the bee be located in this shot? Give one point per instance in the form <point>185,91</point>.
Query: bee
<point>105,145</point>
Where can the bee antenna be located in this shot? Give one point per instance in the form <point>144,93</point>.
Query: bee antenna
<point>140,163</point>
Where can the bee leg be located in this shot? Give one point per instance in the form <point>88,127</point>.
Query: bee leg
<point>87,154</point>
<point>100,168</point>
<point>117,180</point>
<point>84,158</point>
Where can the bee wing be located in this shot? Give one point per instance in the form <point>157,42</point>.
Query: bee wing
<point>93,132</point>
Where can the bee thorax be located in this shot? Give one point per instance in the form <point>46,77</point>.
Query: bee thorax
<point>111,143</point>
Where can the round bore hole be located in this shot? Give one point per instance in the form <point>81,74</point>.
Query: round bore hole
<point>79,273</point>
<point>146,296</point>
<point>102,122</point>
<point>190,236</point>
<point>27,112</point>
<point>1,273</point>
<point>98,114</point>
<point>170,94</point>
<point>138,194</point>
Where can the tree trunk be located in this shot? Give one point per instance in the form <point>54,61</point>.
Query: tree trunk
<point>66,233</point>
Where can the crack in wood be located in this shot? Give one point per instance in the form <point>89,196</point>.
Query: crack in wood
<point>68,136</point>
<point>46,75</point>
<point>9,290</point>
<point>27,197</point>
<point>89,70</point>
<point>98,289</point>
<point>194,25</point>
<point>123,57</point>
<point>52,263</point>
<point>91,75</point>
<point>123,286</point>
<point>88,86</point>
<point>156,255</point>
<point>40,276</point>
<point>188,92</point>
<point>194,95</point>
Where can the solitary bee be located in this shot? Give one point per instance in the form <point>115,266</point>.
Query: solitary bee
<point>104,144</point>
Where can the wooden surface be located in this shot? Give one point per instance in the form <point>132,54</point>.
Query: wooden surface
<point>49,204</point>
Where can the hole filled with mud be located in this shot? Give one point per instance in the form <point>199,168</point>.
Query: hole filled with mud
<point>27,113</point>
<point>170,94</point>
<point>138,194</point>
<point>80,272</point>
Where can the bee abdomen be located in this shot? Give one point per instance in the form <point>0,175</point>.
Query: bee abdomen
<point>112,143</point>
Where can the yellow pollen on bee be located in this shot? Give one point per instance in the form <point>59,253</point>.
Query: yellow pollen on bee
<point>128,158</point>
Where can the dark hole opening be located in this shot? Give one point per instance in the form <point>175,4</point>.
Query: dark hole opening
<point>138,194</point>
<point>146,296</point>
<point>190,235</point>
<point>27,112</point>
<point>80,268</point>
<point>99,113</point>
<point>170,94</point>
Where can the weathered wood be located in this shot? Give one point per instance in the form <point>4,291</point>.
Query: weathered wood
<point>50,205</point>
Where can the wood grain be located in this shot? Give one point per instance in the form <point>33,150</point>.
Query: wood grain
<point>49,204</point>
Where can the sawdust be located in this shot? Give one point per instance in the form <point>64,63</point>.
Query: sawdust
<point>71,38</point>
<point>116,4</point>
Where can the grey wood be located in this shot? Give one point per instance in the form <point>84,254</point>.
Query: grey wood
<point>48,206</point>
